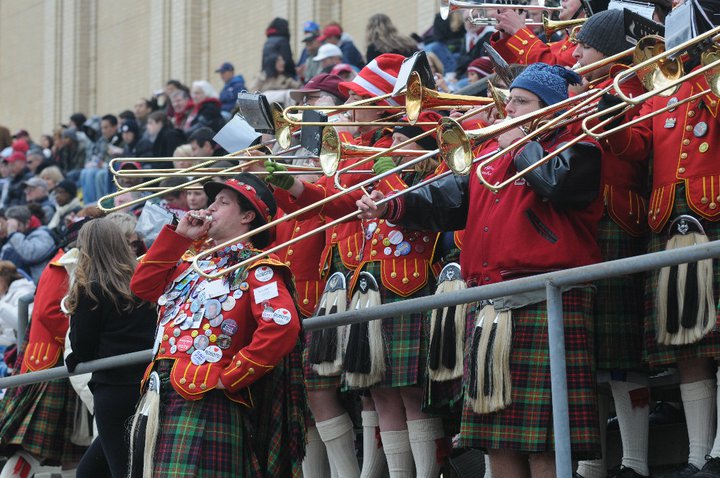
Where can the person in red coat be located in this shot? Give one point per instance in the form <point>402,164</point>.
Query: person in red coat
<point>221,345</point>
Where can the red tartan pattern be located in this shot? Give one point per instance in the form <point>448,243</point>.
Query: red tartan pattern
<point>526,425</point>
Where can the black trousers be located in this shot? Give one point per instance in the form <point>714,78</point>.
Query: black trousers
<point>108,454</point>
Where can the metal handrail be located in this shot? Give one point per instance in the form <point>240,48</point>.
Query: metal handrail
<point>551,282</point>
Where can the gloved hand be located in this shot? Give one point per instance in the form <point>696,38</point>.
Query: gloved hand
<point>383,165</point>
<point>608,101</point>
<point>283,181</point>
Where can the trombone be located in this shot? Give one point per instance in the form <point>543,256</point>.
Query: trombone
<point>552,26</point>
<point>418,98</point>
<point>449,6</point>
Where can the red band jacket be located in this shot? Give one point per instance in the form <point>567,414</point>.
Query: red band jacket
<point>683,141</point>
<point>524,48</point>
<point>49,323</point>
<point>232,330</point>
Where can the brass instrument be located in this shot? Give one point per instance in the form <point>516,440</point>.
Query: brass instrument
<point>449,6</point>
<point>551,26</point>
<point>419,98</point>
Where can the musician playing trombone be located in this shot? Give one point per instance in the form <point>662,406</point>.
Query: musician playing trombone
<point>527,228</point>
<point>680,328</point>
<point>516,43</point>
<point>619,304</point>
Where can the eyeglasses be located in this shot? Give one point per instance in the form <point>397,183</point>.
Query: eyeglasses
<point>519,101</point>
<point>308,98</point>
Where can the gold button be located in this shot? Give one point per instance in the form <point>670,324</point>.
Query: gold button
<point>681,170</point>
<point>182,381</point>
<point>191,386</point>
<point>686,141</point>
<point>416,274</point>
<point>524,42</point>
<point>405,280</point>
<point>717,198</point>
<point>704,200</point>
<point>349,254</point>
<point>306,302</point>
<point>373,253</point>
<point>203,386</point>
<point>37,361</point>
<point>712,205</point>
<point>393,275</point>
<point>683,156</point>
<point>521,52</point>
<point>288,263</point>
<point>334,235</point>
<point>357,258</point>
<point>251,371</point>
<point>162,350</point>
<point>688,128</point>
<point>32,358</point>
<point>165,337</point>
<point>713,103</point>
<point>297,229</point>
<point>290,252</point>
<point>373,242</point>
<point>238,363</point>
<point>691,113</point>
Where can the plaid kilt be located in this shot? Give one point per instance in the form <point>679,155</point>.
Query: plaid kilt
<point>39,418</point>
<point>659,356</point>
<point>405,337</point>
<point>619,303</point>
<point>313,381</point>
<point>215,437</point>
<point>526,425</point>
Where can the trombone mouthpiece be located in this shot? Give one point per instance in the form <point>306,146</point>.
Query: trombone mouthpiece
<point>202,217</point>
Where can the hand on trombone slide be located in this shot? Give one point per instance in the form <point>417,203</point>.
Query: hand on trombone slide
<point>368,207</point>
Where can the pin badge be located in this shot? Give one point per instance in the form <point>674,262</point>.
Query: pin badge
<point>198,357</point>
<point>672,102</point>
<point>670,123</point>
<point>229,303</point>
<point>700,129</point>
<point>184,343</point>
<point>704,147</point>
<point>264,273</point>
<point>213,353</point>
<point>212,308</point>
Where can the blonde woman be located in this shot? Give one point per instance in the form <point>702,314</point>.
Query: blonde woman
<point>107,319</point>
<point>383,37</point>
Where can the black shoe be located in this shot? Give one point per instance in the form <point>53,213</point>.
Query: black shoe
<point>684,471</point>
<point>711,469</point>
<point>624,472</point>
<point>663,414</point>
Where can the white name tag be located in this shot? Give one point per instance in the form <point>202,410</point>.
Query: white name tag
<point>216,288</point>
<point>266,292</point>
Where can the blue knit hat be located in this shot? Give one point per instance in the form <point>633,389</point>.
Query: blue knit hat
<point>548,82</point>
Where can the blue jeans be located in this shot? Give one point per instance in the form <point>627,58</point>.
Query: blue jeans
<point>447,58</point>
<point>87,184</point>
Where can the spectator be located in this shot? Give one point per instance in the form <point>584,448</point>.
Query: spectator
<point>71,154</point>
<point>143,107</point>
<point>445,39</point>
<point>36,161</point>
<point>278,43</point>
<point>19,172</point>
<point>201,143</point>
<point>272,77</point>
<point>29,244</point>
<point>206,111</point>
<point>234,84</point>
<point>47,143</point>
<point>124,116</point>
<point>109,141</point>
<point>344,71</point>
<point>174,201</point>
<point>475,37</point>
<point>383,37</point>
<point>36,192</point>
<point>320,86</point>
<point>52,176</point>
<point>196,199</point>
<point>478,69</point>
<point>164,136</point>
<point>77,123</point>
<point>182,106</point>
<point>135,144</point>
<point>65,195</point>
<point>13,285</point>
<point>171,86</point>
<point>307,67</point>
<point>334,34</point>
<point>328,56</point>
<point>183,151</point>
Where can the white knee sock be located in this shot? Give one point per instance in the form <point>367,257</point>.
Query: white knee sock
<point>598,468</point>
<point>488,470</point>
<point>374,464</point>
<point>699,403</point>
<point>316,460</point>
<point>398,453</point>
<point>715,452</point>
<point>423,443</point>
<point>337,434</point>
<point>20,465</point>
<point>633,422</point>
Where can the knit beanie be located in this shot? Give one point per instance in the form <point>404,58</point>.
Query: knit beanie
<point>548,82</point>
<point>428,142</point>
<point>605,31</point>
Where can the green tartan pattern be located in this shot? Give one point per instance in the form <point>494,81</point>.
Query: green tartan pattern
<point>619,303</point>
<point>526,424</point>
<point>405,338</point>
<point>659,356</point>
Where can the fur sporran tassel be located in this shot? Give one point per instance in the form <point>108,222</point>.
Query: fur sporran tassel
<point>325,345</point>
<point>490,384</point>
<point>364,359</point>
<point>144,430</point>
<point>447,330</point>
<point>685,300</point>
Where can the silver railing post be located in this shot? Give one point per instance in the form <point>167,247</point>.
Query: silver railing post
<point>558,380</point>
<point>23,317</point>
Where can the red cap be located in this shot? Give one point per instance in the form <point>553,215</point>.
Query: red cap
<point>15,156</point>
<point>377,78</point>
<point>330,31</point>
<point>20,145</point>
<point>482,66</point>
<point>322,82</point>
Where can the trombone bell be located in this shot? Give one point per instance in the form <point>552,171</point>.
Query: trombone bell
<point>661,73</point>
<point>552,26</point>
<point>455,146</point>
<point>418,98</point>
